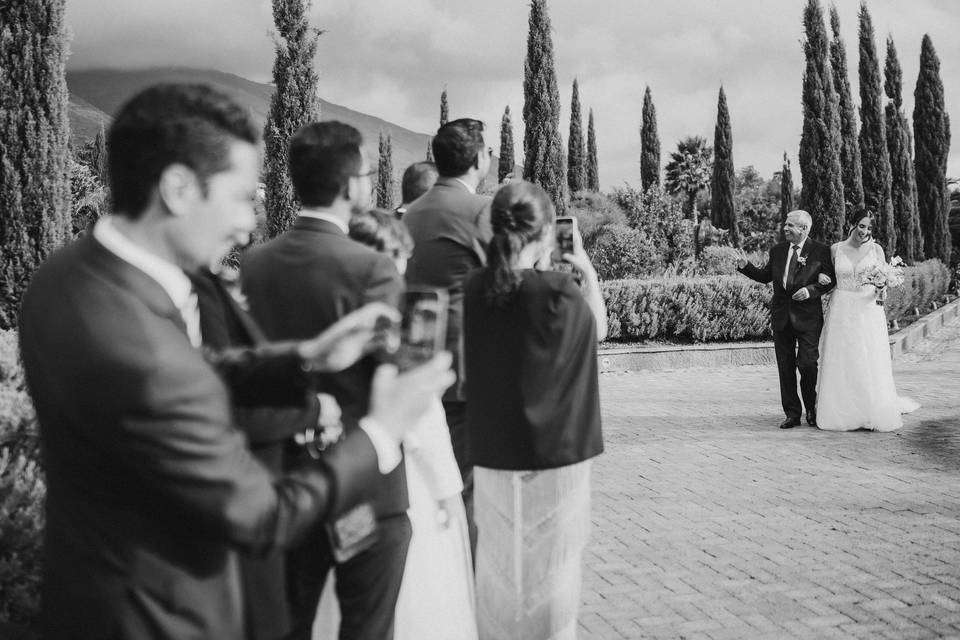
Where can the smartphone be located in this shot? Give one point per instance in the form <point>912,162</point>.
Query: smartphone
<point>423,327</point>
<point>564,243</point>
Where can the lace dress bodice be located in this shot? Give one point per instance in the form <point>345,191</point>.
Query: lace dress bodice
<point>850,265</point>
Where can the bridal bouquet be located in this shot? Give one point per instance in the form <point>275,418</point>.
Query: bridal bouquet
<point>882,276</point>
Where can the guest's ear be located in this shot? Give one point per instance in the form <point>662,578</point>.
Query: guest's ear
<point>178,189</point>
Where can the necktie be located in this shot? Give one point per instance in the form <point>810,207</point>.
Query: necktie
<point>791,266</point>
<point>190,312</point>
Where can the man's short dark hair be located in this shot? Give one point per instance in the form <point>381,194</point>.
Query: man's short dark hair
<point>417,180</point>
<point>323,157</point>
<point>189,124</point>
<point>456,146</point>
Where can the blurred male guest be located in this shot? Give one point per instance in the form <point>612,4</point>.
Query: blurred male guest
<point>450,225</point>
<point>151,489</point>
<point>416,181</point>
<point>298,284</point>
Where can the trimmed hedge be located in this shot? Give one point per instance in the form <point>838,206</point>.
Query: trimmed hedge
<point>923,283</point>
<point>22,491</point>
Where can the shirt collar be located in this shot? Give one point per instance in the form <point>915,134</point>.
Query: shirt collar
<point>326,217</point>
<point>800,245</point>
<point>470,188</point>
<point>169,276</point>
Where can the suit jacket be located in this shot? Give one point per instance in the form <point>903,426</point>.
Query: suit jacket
<point>303,281</point>
<point>806,315</point>
<point>150,487</point>
<point>451,230</point>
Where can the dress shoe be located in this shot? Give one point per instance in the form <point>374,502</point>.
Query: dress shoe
<point>812,418</point>
<point>790,423</point>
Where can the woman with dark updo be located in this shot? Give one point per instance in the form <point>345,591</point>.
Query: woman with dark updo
<point>533,419</point>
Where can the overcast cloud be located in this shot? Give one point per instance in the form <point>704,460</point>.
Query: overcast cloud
<point>392,58</point>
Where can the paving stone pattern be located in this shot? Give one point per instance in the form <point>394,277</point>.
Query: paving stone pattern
<point>709,522</point>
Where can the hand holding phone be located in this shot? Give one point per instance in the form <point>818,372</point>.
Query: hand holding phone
<point>565,229</point>
<point>422,329</point>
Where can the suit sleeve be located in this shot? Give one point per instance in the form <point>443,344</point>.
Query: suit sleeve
<point>269,374</point>
<point>384,283</point>
<point>816,289</point>
<point>762,274</point>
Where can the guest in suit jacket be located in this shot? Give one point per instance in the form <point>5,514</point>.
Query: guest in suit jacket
<point>151,489</point>
<point>796,312</point>
<point>417,180</point>
<point>450,226</point>
<point>302,282</point>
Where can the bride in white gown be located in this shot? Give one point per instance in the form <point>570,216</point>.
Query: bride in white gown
<point>855,389</point>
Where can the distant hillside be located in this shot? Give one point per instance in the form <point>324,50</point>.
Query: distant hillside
<point>95,95</point>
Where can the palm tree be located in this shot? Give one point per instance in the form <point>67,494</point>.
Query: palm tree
<point>689,170</point>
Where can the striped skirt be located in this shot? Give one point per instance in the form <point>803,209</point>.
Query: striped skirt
<point>532,528</point>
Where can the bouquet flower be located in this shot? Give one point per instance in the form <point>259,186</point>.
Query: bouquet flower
<point>882,276</point>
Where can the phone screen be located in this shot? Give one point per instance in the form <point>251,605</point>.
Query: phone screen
<point>423,326</point>
<point>565,235</point>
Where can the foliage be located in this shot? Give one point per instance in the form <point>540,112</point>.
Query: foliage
<point>506,146</point>
<point>723,210</point>
<point>688,171</point>
<point>593,169</point>
<point>710,308</point>
<point>88,196</point>
<point>820,169</point>
<point>22,491</point>
<point>576,158</point>
<point>593,212</point>
<point>931,129</point>
<point>923,283</point>
<point>543,162</point>
<point>294,103</point>
<point>660,219</point>
<point>758,205</point>
<point>34,154</point>
<point>385,182</point>
<point>903,182</point>
<point>619,251</point>
<point>649,144</point>
<point>849,146</point>
<point>444,108</point>
<point>874,154</point>
<point>786,191</point>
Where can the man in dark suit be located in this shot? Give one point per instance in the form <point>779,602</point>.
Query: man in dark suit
<point>417,180</point>
<point>151,489</point>
<point>302,282</point>
<point>450,226</point>
<point>796,312</point>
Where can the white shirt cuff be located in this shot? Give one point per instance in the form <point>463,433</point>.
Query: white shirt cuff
<point>388,450</point>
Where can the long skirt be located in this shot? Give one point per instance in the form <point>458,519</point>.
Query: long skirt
<point>532,527</point>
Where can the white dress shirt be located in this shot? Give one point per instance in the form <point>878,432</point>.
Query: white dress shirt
<point>470,188</point>
<point>786,267</point>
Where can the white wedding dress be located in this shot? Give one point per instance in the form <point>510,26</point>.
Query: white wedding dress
<point>855,388</point>
<point>437,594</point>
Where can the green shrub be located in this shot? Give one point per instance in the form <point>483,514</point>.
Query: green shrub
<point>710,308</point>
<point>621,252</point>
<point>923,283</point>
<point>593,212</point>
<point>661,219</point>
<point>22,491</point>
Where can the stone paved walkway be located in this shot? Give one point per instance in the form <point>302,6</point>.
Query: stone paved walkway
<point>709,522</point>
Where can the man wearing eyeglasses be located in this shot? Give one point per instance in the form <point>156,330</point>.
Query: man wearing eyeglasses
<point>297,284</point>
<point>450,226</point>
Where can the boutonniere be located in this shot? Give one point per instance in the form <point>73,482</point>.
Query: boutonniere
<point>802,261</point>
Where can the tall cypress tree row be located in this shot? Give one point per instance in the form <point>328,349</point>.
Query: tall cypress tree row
<point>723,211</point>
<point>874,155</point>
<point>506,146</point>
<point>903,183</point>
<point>649,144</point>
<point>931,130</point>
<point>593,169</point>
<point>820,169</point>
<point>444,108</point>
<point>294,103</point>
<point>34,155</point>
<point>543,161</point>
<point>576,162</point>
<point>849,146</point>
<point>786,192</point>
<point>385,186</point>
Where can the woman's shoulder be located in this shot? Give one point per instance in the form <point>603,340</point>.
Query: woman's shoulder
<point>547,282</point>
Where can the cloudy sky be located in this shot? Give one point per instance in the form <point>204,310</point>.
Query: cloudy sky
<point>392,58</point>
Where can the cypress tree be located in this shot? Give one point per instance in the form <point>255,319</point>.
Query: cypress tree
<point>931,130</point>
<point>723,212</point>
<point>543,161</point>
<point>874,155</point>
<point>576,163</point>
<point>821,173</point>
<point>849,146</point>
<point>649,144</point>
<point>592,170</point>
<point>903,183</point>
<point>34,155</point>
<point>444,108</point>
<point>506,146</point>
<point>429,156</point>
<point>294,103</point>
<point>385,186</point>
<point>786,192</point>
<point>98,157</point>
